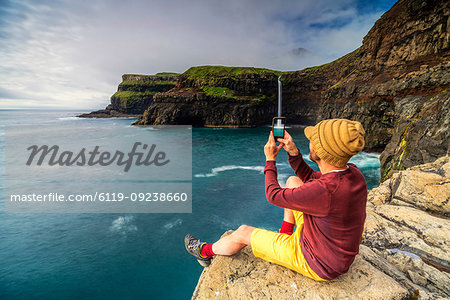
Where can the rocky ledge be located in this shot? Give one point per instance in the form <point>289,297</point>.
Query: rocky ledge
<point>404,252</point>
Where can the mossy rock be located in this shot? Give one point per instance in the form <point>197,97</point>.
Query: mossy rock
<point>226,93</point>
<point>132,102</point>
<point>223,71</point>
<point>146,86</point>
<point>144,76</point>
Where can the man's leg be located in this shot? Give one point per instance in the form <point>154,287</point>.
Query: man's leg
<point>233,242</point>
<point>288,220</point>
<point>237,240</point>
<point>240,238</point>
<point>288,216</point>
<point>227,245</point>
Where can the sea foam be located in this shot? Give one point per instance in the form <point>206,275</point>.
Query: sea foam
<point>123,225</point>
<point>173,224</point>
<point>216,171</point>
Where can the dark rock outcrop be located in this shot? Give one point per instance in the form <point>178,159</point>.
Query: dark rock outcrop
<point>176,107</point>
<point>404,251</point>
<point>134,94</point>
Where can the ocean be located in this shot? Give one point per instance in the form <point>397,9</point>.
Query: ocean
<point>142,255</point>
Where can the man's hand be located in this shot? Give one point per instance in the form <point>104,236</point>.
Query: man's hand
<point>289,144</point>
<point>271,149</point>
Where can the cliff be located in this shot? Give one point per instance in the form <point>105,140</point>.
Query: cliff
<point>404,252</point>
<point>396,84</point>
<point>134,94</point>
<point>217,96</point>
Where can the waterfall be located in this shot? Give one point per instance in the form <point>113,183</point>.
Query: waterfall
<point>279,96</point>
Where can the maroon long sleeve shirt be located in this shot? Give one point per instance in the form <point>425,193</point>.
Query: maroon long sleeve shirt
<point>334,211</point>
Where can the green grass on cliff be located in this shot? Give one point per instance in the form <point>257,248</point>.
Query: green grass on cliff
<point>146,83</point>
<point>234,72</point>
<point>211,80</point>
<point>154,75</point>
<point>223,71</point>
<point>132,96</point>
<point>218,91</point>
<point>166,74</point>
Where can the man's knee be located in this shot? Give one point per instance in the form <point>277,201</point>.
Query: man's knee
<point>243,234</point>
<point>293,181</point>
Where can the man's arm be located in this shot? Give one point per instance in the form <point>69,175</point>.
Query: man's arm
<point>301,168</point>
<point>311,198</point>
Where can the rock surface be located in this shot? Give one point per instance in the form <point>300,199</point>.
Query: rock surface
<point>243,276</point>
<point>404,252</point>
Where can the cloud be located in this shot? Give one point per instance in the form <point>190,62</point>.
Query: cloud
<point>73,53</point>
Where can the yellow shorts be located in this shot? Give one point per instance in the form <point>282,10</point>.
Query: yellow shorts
<point>283,249</point>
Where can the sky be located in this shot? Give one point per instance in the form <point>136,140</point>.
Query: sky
<point>71,54</point>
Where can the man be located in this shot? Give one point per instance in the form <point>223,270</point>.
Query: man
<point>327,207</point>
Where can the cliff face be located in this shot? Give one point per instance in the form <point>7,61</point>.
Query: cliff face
<point>404,250</point>
<point>404,69</point>
<point>216,96</point>
<point>134,94</point>
<point>396,84</point>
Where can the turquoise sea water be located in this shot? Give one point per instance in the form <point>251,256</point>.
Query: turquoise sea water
<point>137,256</point>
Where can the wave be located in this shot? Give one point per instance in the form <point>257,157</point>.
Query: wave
<point>223,223</point>
<point>216,171</point>
<point>366,160</point>
<point>282,178</point>
<point>363,160</point>
<point>283,164</point>
<point>123,225</point>
<point>173,224</point>
<point>69,118</point>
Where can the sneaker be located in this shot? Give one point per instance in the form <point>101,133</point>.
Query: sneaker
<point>194,247</point>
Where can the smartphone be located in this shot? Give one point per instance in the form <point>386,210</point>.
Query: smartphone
<point>278,125</point>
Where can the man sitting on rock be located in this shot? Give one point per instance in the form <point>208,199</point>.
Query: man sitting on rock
<point>327,207</point>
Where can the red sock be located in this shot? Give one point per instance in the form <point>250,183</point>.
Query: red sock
<point>207,251</point>
<point>287,227</point>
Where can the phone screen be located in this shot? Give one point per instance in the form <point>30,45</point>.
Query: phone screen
<point>278,127</point>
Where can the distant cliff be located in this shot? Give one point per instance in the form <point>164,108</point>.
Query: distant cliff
<point>397,84</point>
<point>404,251</point>
<point>217,96</point>
<point>134,94</point>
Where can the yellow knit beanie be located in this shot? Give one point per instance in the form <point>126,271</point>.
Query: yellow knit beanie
<point>336,140</point>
